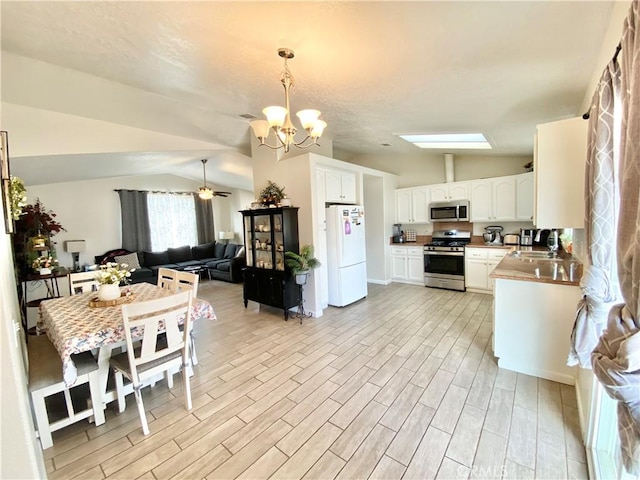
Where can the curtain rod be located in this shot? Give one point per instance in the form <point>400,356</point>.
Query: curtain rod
<point>586,115</point>
<point>154,191</point>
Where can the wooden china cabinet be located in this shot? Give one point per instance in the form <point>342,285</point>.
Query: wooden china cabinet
<point>268,234</point>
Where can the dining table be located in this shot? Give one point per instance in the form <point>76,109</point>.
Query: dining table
<point>75,326</point>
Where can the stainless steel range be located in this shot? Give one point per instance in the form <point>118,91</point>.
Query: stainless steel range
<point>444,259</point>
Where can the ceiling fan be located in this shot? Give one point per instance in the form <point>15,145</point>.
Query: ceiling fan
<point>205,192</point>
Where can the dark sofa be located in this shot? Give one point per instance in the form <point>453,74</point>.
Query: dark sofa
<point>224,261</point>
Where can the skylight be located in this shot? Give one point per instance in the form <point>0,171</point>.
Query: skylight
<point>448,140</point>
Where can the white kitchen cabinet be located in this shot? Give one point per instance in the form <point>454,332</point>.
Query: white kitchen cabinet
<point>412,205</point>
<point>493,199</point>
<point>532,326</point>
<point>559,162</point>
<point>340,187</point>
<point>443,192</point>
<point>479,263</point>
<point>407,265</point>
<point>524,196</point>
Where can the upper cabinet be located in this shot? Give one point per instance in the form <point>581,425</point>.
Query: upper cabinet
<point>524,196</point>
<point>412,205</point>
<point>444,192</point>
<point>559,160</point>
<point>340,187</point>
<point>493,199</point>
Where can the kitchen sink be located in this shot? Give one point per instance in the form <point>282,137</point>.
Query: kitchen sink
<point>538,255</point>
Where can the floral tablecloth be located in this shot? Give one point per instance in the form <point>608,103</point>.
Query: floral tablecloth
<point>74,327</point>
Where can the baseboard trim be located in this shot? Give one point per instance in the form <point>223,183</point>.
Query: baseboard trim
<point>379,282</point>
<point>556,377</point>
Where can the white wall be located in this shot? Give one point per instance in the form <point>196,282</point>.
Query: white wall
<point>415,170</point>
<point>20,453</point>
<point>375,229</point>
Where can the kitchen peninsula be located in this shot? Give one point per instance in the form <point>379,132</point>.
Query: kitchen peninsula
<point>534,310</point>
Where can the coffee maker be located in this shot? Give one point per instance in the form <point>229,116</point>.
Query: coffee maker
<point>526,236</point>
<point>397,233</point>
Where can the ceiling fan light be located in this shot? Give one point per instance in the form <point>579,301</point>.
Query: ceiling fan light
<point>318,128</point>
<point>205,193</point>
<point>308,118</point>
<point>260,128</point>
<point>275,115</point>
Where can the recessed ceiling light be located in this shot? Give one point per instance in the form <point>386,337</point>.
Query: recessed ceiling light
<point>448,140</point>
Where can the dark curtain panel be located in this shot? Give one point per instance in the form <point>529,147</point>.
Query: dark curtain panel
<point>204,220</point>
<point>136,235</point>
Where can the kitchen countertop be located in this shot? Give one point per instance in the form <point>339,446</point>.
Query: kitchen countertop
<point>564,270</point>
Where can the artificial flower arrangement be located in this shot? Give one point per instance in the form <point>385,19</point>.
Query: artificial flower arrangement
<point>18,196</point>
<point>113,273</point>
<point>44,262</point>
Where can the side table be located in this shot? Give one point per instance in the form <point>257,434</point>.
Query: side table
<point>51,284</point>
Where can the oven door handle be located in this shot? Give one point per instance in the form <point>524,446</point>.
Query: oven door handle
<point>449,254</point>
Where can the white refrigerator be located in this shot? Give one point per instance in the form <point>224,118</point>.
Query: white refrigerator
<point>346,254</point>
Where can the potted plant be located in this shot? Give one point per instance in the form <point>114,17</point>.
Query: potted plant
<point>301,263</point>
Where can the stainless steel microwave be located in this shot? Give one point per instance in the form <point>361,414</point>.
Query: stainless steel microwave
<point>454,211</point>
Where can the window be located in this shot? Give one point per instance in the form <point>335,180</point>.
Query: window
<point>172,220</point>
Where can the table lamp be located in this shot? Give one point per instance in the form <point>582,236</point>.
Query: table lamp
<point>227,236</point>
<point>74,247</point>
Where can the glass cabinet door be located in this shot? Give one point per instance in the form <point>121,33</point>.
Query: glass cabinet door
<point>278,242</point>
<point>248,240</point>
<point>263,241</point>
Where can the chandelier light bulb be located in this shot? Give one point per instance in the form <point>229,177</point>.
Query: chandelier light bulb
<point>318,128</point>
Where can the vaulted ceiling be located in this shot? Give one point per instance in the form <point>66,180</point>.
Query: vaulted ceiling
<point>375,69</point>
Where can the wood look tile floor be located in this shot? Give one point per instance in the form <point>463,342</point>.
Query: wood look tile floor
<point>400,385</point>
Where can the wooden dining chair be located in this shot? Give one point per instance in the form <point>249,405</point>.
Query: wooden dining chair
<point>167,278</point>
<point>154,355</point>
<point>82,282</point>
<point>45,380</point>
<point>189,281</point>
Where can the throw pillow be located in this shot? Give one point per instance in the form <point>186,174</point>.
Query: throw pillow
<point>131,260</point>
<point>218,250</point>
<point>179,254</point>
<point>240,252</point>
<point>230,251</point>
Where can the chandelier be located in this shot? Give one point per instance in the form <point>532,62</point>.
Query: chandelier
<point>279,120</point>
<point>205,192</point>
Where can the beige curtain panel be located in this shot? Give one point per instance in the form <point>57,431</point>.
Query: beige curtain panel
<point>616,359</point>
<point>599,283</point>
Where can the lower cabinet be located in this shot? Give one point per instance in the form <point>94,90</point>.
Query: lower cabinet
<point>270,287</point>
<point>407,265</point>
<point>479,263</point>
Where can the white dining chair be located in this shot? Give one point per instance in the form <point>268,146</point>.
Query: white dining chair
<point>189,281</point>
<point>82,282</point>
<point>167,278</point>
<point>154,355</point>
<point>45,380</point>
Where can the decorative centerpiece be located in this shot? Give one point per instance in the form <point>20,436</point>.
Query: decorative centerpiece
<point>271,194</point>
<point>109,277</point>
<point>43,265</point>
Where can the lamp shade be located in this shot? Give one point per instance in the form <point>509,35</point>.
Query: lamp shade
<point>275,115</point>
<point>308,118</point>
<point>318,128</point>
<point>226,235</point>
<point>75,246</point>
<point>260,128</point>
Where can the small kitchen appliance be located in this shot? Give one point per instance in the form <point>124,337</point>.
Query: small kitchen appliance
<point>495,232</point>
<point>444,259</point>
<point>511,239</point>
<point>397,233</point>
<point>541,237</point>
<point>455,211</point>
<point>526,236</point>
